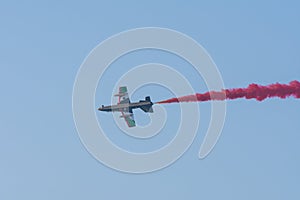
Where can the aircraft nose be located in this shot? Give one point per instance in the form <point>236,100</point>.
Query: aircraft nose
<point>101,108</point>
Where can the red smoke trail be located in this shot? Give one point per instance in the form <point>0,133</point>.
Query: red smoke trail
<point>253,91</point>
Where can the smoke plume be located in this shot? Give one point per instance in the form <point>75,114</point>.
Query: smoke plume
<point>253,91</point>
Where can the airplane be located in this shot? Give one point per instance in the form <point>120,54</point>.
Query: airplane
<point>125,106</point>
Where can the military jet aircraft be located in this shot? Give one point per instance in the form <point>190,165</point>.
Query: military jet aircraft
<point>125,106</point>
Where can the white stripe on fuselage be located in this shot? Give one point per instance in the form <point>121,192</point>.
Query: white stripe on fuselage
<point>127,105</point>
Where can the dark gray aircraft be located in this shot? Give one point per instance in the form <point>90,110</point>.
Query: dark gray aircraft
<point>125,106</point>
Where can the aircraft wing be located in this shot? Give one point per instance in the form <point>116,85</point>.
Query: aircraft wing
<point>123,95</point>
<point>128,116</point>
<point>127,113</point>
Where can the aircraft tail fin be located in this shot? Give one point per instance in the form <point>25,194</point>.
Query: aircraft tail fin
<point>147,108</point>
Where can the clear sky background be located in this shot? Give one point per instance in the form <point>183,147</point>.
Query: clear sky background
<point>43,43</point>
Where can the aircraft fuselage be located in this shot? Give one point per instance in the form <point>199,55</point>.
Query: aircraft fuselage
<point>125,106</point>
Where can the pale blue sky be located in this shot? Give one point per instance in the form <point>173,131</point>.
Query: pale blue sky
<point>43,43</point>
